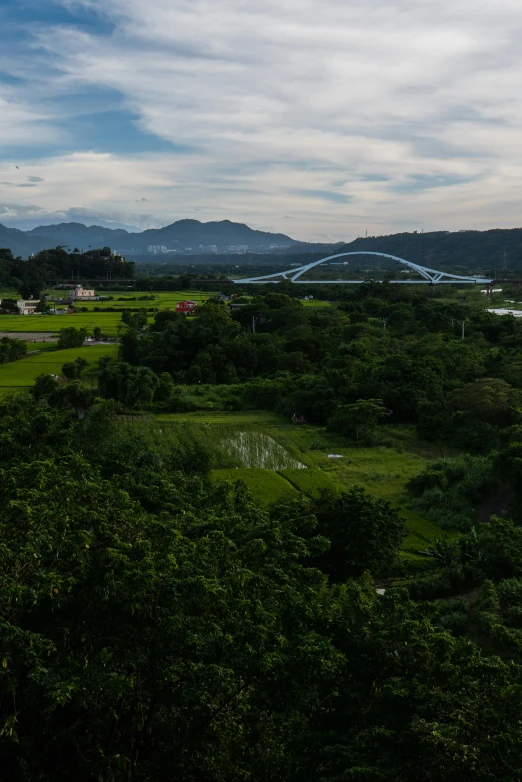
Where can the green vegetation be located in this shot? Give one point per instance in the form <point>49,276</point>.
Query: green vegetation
<point>311,482</point>
<point>29,278</point>
<point>275,542</point>
<point>22,374</point>
<point>265,486</point>
<point>11,350</point>
<point>107,321</point>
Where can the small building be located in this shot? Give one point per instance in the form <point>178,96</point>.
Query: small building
<point>81,294</point>
<point>186,307</point>
<point>27,306</point>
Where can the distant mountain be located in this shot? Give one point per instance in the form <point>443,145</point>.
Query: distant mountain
<point>481,251</point>
<point>183,236</point>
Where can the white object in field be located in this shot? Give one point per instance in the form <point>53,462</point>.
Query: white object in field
<point>515,313</point>
<point>335,456</point>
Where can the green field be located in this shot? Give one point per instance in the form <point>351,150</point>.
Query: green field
<point>107,321</point>
<point>162,300</point>
<point>383,471</point>
<point>266,486</point>
<point>311,481</point>
<point>20,375</point>
<point>220,418</point>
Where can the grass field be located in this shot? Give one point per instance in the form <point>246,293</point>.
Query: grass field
<point>162,300</point>
<point>20,375</point>
<point>382,470</point>
<point>107,321</point>
<point>311,481</point>
<point>220,418</point>
<point>266,486</point>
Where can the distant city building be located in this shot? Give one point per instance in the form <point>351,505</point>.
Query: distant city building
<point>186,307</point>
<point>237,248</point>
<point>81,294</point>
<point>208,248</point>
<point>158,249</point>
<point>27,306</point>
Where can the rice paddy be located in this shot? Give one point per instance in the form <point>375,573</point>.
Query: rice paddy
<point>20,375</point>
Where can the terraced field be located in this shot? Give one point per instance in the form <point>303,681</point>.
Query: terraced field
<point>383,471</point>
<point>20,375</point>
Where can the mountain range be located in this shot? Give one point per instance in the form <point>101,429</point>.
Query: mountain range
<point>495,249</point>
<point>183,236</point>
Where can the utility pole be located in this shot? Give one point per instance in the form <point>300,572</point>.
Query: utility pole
<point>253,324</point>
<point>463,329</point>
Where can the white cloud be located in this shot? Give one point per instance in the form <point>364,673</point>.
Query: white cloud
<point>21,124</point>
<point>408,112</point>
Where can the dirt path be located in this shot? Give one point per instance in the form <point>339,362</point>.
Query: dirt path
<point>497,505</point>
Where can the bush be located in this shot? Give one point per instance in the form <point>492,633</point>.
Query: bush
<point>449,490</point>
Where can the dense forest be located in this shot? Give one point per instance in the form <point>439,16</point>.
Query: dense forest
<point>30,277</point>
<point>158,626</point>
<point>495,253</point>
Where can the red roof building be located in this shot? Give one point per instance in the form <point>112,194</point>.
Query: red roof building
<point>186,307</point>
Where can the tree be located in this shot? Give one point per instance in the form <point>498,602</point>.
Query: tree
<point>134,320</point>
<point>365,533</point>
<point>127,384</point>
<point>134,635</point>
<point>488,399</point>
<point>11,349</point>
<point>165,390</point>
<point>358,420</point>
<point>73,369</point>
<point>45,385</point>
<point>78,396</point>
<point>71,337</point>
<point>129,350</point>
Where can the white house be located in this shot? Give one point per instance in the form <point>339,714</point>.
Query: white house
<point>27,307</point>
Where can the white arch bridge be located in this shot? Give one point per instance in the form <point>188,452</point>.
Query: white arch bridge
<point>428,276</point>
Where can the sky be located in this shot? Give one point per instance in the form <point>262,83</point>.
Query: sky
<point>321,119</point>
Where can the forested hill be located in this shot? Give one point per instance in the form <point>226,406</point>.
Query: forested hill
<point>181,236</point>
<point>497,250</point>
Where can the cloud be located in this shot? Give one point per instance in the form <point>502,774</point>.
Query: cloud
<point>27,216</point>
<point>326,195</point>
<point>381,115</point>
<point>35,179</point>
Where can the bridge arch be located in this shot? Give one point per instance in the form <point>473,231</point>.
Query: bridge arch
<point>432,276</point>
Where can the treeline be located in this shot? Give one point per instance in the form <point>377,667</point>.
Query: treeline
<point>155,626</point>
<point>495,253</point>
<point>30,277</point>
<point>402,350</point>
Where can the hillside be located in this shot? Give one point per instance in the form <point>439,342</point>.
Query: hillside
<point>495,250</point>
<point>186,236</point>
